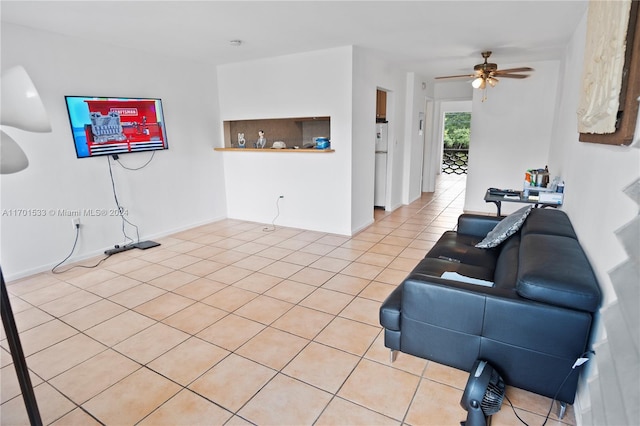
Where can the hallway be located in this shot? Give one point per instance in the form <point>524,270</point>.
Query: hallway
<point>447,200</point>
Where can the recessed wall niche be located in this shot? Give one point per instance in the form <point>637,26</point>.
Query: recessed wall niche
<point>295,131</point>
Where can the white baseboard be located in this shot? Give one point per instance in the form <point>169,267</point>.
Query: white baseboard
<point>95,253</point>
<point>363,227</point>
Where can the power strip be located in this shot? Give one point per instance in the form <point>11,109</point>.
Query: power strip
<point>119,249</point>
<point>142,245</point>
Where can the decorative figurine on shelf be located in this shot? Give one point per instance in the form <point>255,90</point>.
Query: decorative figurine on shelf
<point>262,141</point>
<point>241,141</point>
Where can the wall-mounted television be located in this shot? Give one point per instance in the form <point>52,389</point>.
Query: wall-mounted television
<point>108,126</point>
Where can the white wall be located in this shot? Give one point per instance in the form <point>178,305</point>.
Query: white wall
<point>595,176</point>
<point>363,137</point>
<point>430,141</point>
<point>452,90</point>
<point>369,74</point>
<point>316,187</point>
<point>180,188</point>
<point>324,192</point>
<point>414,154</point>
<point>510,133</point>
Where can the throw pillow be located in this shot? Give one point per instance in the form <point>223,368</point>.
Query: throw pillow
<point>505,228</point>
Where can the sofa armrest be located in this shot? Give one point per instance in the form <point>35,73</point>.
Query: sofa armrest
<point>555,270</point>
<point>476,225</point>
<point>390,310</point>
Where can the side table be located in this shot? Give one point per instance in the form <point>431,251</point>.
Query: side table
<point>498,199</point>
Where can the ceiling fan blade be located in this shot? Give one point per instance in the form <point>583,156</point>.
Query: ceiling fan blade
<point>488,71</point>
<point>521,69</point>
<point>456,76</point>
<point>512,75</point>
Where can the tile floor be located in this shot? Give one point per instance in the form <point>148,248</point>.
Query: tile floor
<point>236,323</point>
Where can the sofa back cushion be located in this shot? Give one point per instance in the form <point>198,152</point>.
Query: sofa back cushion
<point>554,269</point>
<point>506,273</point>
<point>548,221</point>
<point>460,248</point>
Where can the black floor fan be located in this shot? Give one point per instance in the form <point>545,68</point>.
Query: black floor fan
<point>483,394</point>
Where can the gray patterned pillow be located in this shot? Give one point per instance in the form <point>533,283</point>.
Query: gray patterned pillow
<point>505,228</point>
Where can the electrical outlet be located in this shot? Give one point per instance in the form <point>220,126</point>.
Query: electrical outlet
<point>76,222</point>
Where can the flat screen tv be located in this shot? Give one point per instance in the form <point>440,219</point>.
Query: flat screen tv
<point>108,126</point>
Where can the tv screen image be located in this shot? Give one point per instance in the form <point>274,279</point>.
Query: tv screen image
<point>106,126</point>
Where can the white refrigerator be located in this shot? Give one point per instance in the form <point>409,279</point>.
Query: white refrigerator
<point>380,184</point>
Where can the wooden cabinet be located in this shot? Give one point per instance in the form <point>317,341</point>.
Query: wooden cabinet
<point>381,106</point>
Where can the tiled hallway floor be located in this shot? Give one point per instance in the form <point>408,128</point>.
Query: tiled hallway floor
<point>229,323</point>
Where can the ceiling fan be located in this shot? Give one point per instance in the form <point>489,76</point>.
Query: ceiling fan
<point>487,73</point>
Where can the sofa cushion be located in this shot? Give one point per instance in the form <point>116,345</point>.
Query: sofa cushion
<point>548,221</point>
<point>505,228</point>
<point>506,273</point>
<point>476,225</point>
<point>461,248</point>
<point>554,269</point>
<point>430,267</point>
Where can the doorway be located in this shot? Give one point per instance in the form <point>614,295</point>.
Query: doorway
<point>455,143</point>
<point>434,142</point>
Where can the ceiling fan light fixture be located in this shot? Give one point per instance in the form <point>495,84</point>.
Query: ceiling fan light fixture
<point>492,81</point>
<point>479,83</point>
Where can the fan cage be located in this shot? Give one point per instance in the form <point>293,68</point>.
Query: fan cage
<point>493,396</point>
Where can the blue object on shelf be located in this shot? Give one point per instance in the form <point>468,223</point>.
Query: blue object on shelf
<point>323,143</point>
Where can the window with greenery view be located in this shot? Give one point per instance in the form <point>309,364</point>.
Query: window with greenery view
<point>457,128</point>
